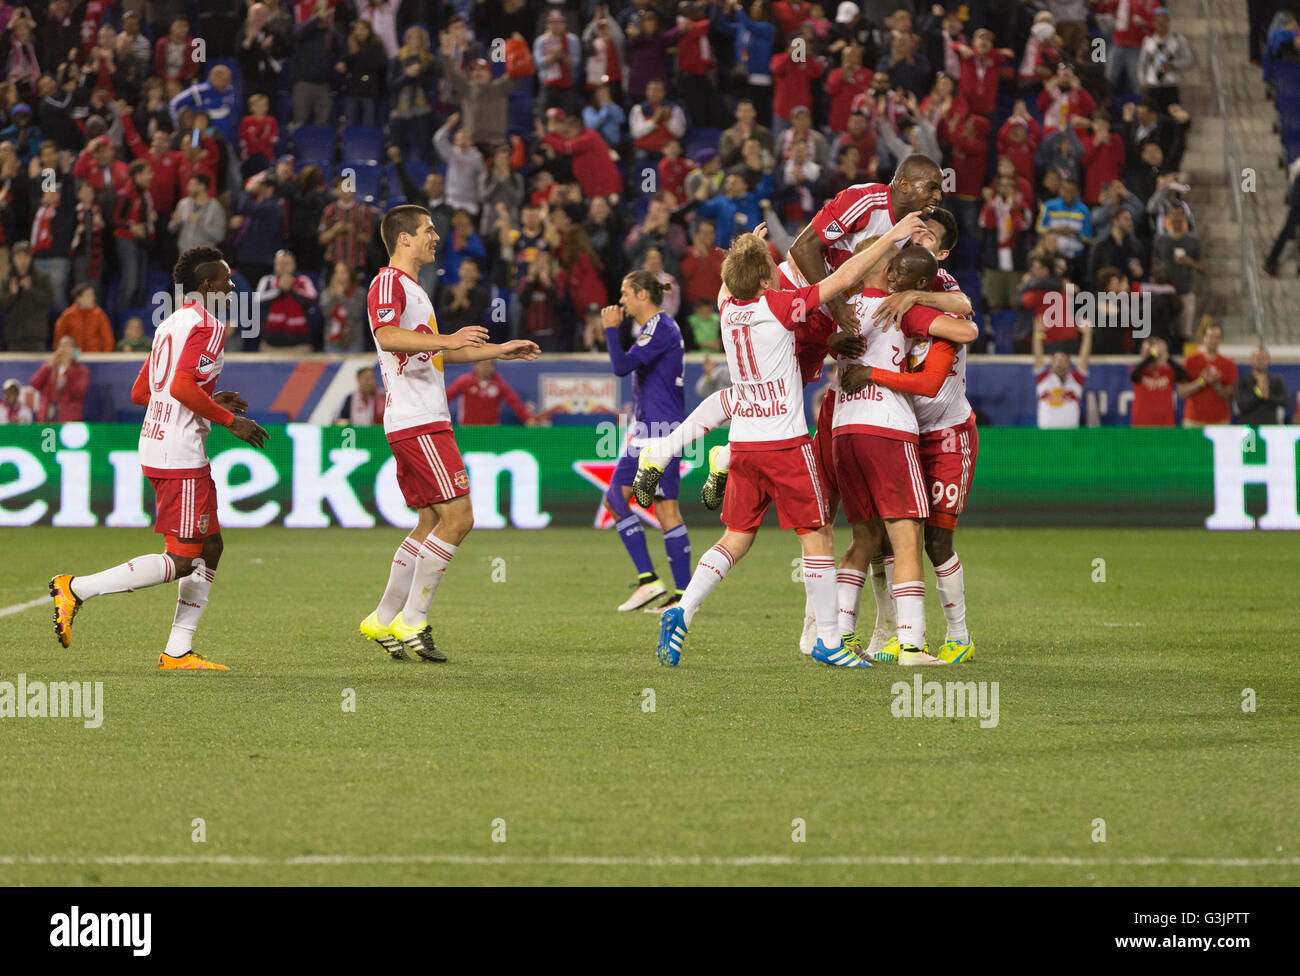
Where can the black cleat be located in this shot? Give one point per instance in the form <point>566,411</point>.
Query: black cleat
<point>646,481</point>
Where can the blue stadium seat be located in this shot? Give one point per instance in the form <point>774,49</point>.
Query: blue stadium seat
<point>368,178</point>
<point>363,144</point>
<point>700,138</point>
<point>314,146</point>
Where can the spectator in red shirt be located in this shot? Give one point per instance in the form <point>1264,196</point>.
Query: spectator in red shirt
<point>1063,102</point>
<point>173,56</point>
<point>286,298</point>
<point>165,162</point>
<point>702,265</point>
<point>790,15</point>
<point>861,135</point>
<point>844,84</point>
<point>62,383</point>
<point>981,67</point>
<point>258,133</point>
<point>1155,379</point>
<point>485,391</point>
<point>655,121</point>
<point>1018,140</point>
<point>1103,159</point>
<point>1211,377</point>
<point>793,72</point>
<point>134,221</point>
<point>944,108</point>
<point>673,170</point>
<point>1134,20</point>
<point>593,165</point>
<point>696,66</point>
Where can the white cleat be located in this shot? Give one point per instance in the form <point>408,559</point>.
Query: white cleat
<point>809,636</point>
<point>879,639</point>
<point>911,657</point>
<point>642,595</point>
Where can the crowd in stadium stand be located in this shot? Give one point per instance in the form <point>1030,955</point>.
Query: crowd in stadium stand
<point>560,145</point>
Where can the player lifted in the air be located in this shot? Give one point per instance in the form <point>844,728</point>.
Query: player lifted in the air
<point>655,360</point>
<point>175,386</point>
<point>417,421</point>
<point>852,215</point>
<point>878,466</point>
<point>773,459</point>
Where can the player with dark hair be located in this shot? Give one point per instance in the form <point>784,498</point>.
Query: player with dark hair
<point>417,420</point>
<point>655,361</point>
<point>175,386</point>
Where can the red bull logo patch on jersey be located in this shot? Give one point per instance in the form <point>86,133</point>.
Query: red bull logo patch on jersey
<point>202,524</point>
<point>461,479</point>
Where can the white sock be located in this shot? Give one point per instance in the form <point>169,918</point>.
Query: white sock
<point>399,580</point>
<point>819,584</point>
<point>426,578</point>
<point>709,571</point>
<point>134,574</point>
<point>909,598</point>
<point>881,578</point>
<point>191,600</point>
<point>704,418</point>
<point>952,594</point>
<point>848,592</point>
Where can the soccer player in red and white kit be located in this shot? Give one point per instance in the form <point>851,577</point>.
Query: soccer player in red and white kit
<point>417,421</point>
<point>876,434</point>
<point>175,386</point>
<point>773,460</point>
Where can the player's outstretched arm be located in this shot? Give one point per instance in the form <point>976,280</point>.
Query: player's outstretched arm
<point>1037,347</point>
<point>928,381</point>
<point>890,312</point>
<point>514,349</point>
<point>958,331</point>
<point>857,267</point>
<point>394,339</point>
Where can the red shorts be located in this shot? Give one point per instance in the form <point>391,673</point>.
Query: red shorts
<point>880,477</point>
<point>186,507</point>
<point>787,477</point>
<point>823,445</point>
<point>430,469</point>
<point>948,464</point>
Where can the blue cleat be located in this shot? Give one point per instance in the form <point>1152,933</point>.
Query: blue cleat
<point>672,634</point>
<point>838,657</point>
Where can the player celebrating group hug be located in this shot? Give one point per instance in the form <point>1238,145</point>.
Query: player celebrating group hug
<point>877,411</point>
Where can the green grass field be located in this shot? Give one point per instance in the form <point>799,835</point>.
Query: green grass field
<point>1119,700</point>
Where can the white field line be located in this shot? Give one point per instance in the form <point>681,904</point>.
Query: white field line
<point>664,861</point>
<point>20,607</point>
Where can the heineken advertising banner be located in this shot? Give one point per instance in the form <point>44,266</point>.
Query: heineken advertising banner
<point>532,477</point>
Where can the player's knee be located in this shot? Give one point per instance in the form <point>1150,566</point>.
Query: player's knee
<point>212,549</point>
<point>938,544</point>
<point>184,565</point>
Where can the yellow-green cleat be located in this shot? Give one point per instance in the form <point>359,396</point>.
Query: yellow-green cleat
<point>715,485</point>
<point>372,629</point>
<point>647,479</point>
<point>955,652</point>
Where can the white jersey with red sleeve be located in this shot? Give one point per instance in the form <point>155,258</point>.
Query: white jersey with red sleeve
<point>949,407</point>
<point>765,400</point>
<point>1059,400</point>
<point>173,440</point>
<point>876,409</point>
<point>416,391</point>
<point>854,214</point>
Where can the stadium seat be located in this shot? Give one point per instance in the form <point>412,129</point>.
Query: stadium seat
<point>314,146</point>
<point>368,178</point>
<point>701,138</point>
<point>362,144</point>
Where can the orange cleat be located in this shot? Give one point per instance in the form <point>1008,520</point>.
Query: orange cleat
<point>188,662</point>
<point>66,605</point>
